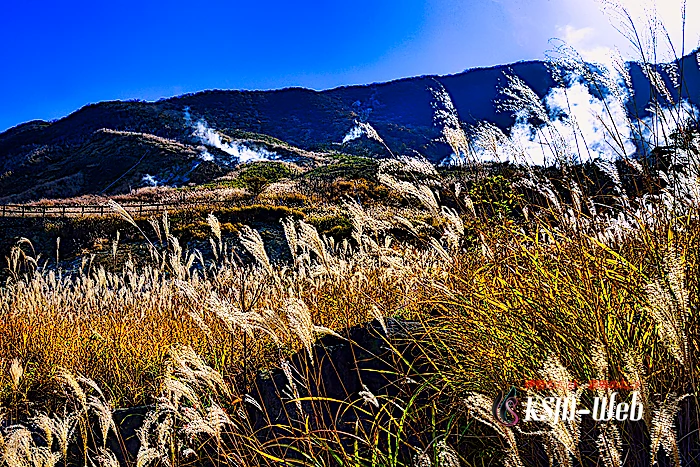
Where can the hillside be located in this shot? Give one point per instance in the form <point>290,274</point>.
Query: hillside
<point>111,147</point>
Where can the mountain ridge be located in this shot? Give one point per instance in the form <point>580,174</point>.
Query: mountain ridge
<point>38,152</point>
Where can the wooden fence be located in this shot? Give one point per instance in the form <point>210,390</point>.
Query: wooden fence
<point>75,210</point>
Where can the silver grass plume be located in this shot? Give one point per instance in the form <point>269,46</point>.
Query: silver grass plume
<point>663,432</point>
<point>495,144</point>
<point>419,191</point>
<point>166,224</point>
<point>148,454</point>
<point>480,407</point>
<point>196,311</point>
<point>671,69</point>
<point>669,306</point>
<point>156,229</point>
<point>301,324</point>
<point>180,270</point>
<point>379,316</point>
<point>410,165</point>
<point>251,400</point>
<point>45,424</point>
<point>184,363</point>
<point>19,450</point>
<point>292,390</point>
<point>556,452</point>
<point>290,233</point>
<point>371,133</point>
<point>440,250</point>
<point>599,357</point>
<point>235,319</point>
<point>100,406</point>
<point>106,458</point>
<point>362,221</point>
<point>177,390</point>
<point>211,422</point>
<point>17,447</point>
<point>567,433</point>
<point>252,241</point>
<point>658,82</point>
<point>422,460</point>
<point>59,429</point>
<point>116,207</point>
<point>215,226</point>
<point>454,230</point>
<point>368,396</point>
<point>406,224</point>
<point>56,428</point>
<point>309,239</point>
<point>67,377</point>
<point>523,101</point>
<point>103,410</point>
<point>610,445</point>
<point>447,118</point>
<point>16,372</point>
<point>608,440</point>
<point>446,455</point>
<point>188,453</point>
<point>115,244</point>
<point>635,373</point>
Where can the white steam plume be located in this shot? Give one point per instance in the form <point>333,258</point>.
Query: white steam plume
<point>363,128</point>
<point>239,150</point>
<point>354,133</point>
<point>578,127</point>
<point>150,180</point>
<point>236,149</point>
<point>658,127</point>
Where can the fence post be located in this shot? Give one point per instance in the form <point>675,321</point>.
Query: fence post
<point>43,212</point>
<point>23,210</point>
<point>3,210</point>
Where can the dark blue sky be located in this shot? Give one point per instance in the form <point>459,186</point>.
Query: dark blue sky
<point>59,56</point>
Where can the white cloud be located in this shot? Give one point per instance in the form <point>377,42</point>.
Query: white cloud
<point>574,35</point>
<point>585,41</point>
<point>589,27</point>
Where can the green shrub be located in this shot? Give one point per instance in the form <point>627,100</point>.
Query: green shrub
<point>255,176</point>
<point>494,197</point>
<point>348,167</point>
<point>338,227</point>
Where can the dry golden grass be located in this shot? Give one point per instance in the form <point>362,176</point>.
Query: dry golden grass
<point>496,311</point>
<point>117,327</point>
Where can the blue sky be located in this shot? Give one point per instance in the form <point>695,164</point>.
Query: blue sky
<point>59,56</point>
